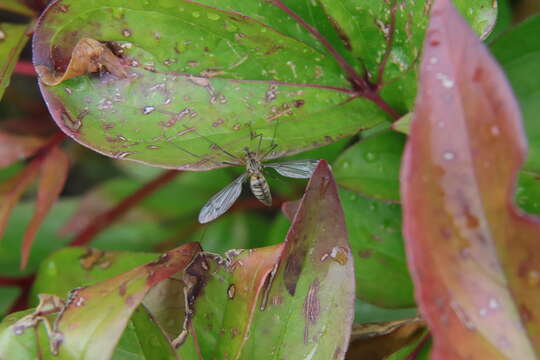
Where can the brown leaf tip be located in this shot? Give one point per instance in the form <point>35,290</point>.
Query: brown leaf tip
<point>88,56</point>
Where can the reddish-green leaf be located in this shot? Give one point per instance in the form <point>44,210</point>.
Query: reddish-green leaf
<point>14,148</point>
<point>474,257</point>
<point>96,316</point>
<point>12,40</point>
<point>16,186</point>
<point>54,171</point>
<point>293,300</point>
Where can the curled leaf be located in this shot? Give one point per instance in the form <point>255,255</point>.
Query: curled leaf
<point>88,56</point>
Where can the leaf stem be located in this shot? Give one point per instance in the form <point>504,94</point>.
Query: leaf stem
<point>23,67</point>
<point>416,351</point>
<point>389,45</point>
<point>353,76</point>
<point>105,219</point>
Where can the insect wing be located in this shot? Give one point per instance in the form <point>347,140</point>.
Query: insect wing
<point>300,169</point>
<point>222,201</point>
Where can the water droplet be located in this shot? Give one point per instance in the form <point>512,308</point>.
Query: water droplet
<point>483,312</point>
<point>445,80</point>
<point>148,109</point>
<point>493,303</point>
<point>2,35</point>
<point>196,14</point>
<point>126,33</point>
<point>346,164</point>
<point>213,16</point>
<point>449,156</point>
<point>433,60</point>
<point>495,130</point>
<point>371,157</point>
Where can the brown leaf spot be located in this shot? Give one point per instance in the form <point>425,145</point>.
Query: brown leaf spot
<point>122,289</point>
<point>91,258</point>
<point>312,308</point>
<point>365,254</point>
<point>293,268</point>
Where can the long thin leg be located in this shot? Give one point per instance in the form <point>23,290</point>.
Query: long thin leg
<point>218,147</point>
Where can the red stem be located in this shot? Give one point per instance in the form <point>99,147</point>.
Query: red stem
<point>24,68</point>
<point>363,87</point>
<point>353,76</point>
<point>105,219</point>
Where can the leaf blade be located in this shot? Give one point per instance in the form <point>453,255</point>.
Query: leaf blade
<point>458,176</point>
<point>54,170</point>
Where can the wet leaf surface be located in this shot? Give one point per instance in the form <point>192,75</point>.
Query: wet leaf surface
<point>374,229</point>
<point>518,52</point>
<point>221,75</point>
<point>95,316</point>
<point>302,289</point>
<point>12,40</point>
<point>371,166</point>
<point>78,267</point>
<point>367,28</point>
<point>473,256</point>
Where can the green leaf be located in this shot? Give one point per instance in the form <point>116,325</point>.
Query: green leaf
<point>96,316</point>
<point>256,77</point>
<point>371,166</point>
<point>518,52</point>
<point>12,40</point>
<point>403,125</point>
<point>143,339</point>
<point>31,344</point>
<point>294,298</point>
<point>367,27</point>
<point>70,268</point>
<point>374,229</point>
<point>8,295</point>
<point>368,313</point>
<point>528,192</point>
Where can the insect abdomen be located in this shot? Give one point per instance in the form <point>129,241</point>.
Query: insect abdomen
<point>261,190</point>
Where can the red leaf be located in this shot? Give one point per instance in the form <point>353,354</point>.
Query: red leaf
<point>54,172</point>
<point>14,148</point>
<point>15,187</point>
<point>474,258</point>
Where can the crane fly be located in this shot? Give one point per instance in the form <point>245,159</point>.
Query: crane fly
<point>253,161</point>
<point>223,200</point>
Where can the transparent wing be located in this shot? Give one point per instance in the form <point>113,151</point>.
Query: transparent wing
<point>301,169</point>
<point>222,201</point>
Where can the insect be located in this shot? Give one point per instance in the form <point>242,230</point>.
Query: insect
<point>223,200</point>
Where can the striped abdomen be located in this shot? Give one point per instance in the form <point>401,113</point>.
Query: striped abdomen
<point>260,188</point>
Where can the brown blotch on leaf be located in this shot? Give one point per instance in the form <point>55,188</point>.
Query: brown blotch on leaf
<point>88,56</point>
<point>91,258</point>
<point>293,268</point>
